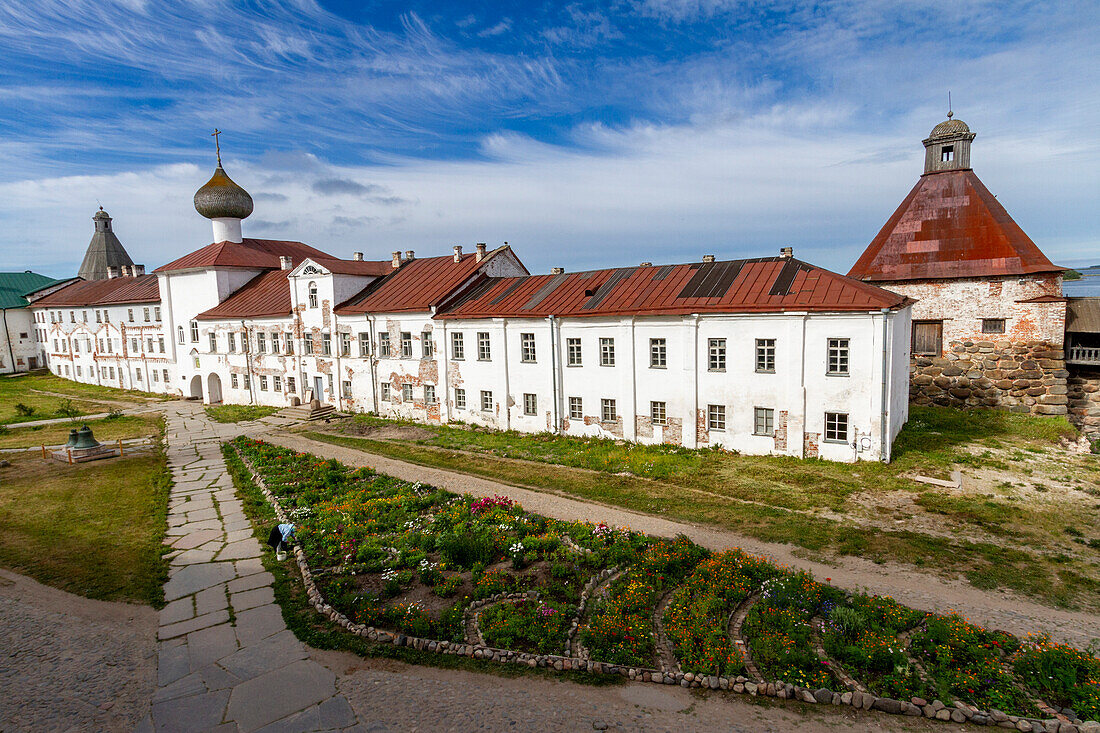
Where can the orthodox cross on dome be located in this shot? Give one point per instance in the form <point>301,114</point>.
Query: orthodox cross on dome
<point>217,145</point>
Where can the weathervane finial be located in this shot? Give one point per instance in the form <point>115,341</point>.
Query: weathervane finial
<point>950,114</point>
<point>217,145</point>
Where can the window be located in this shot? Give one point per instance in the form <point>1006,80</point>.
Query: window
<point>247,383</point>
<point>406,393</point>
<point>107,319</point>
<point>838,356</point>
<point>530,404</point>
<point>426,344</point>
<point>111,370</point>
<point>658,355</point>
<point>716,417</point>
<point>231,342</point>
<point>460,399</point>
<point>137,375</point>
<point>307,345</point>
<point>233,381</point>
<point>129,315</point>
<point>160,344</point>
<point>384,345</point>
<point>364,344</point>
<point>527,347</point>
<point>836,427</point>
<point>156,313</point>
<point>289,344</point>
<point>346,386</point>
<point>134,345</point>
<point>72,317</point>
<point>313,295</point>
<point>275,343</point>
<point>429,394</point>
<point>78,373</point>
<point>166,376</point>
<point>345,344</point>
<point>326,345</point>
<point>98,317</point>
<point>947,153</point>
<point>573,352</point>
<point>213,343</point>
<point>657,413</point>
<point>263,383</point>
<point>179,331</point>
<point>458,349</point>
<point>194,332</point>
<point>763,421</point>
<point>290,385</point>
<point>486,400</point>
<point>277,383</point>
<point>608,413</point>
<point>152,372</point>
<point>149,344</point>
<point>607,352</point>
<point>993,325</point>
<point>330,390</point>
<point>576,408</point>
<point>483,352</point>
<point>83,316</point>
<point>765,356</point>
<point>716,355</point>
<point>145,314</point>
<point>261,342</point>
<point>67,370</point>
<point>406,345</point>
<point>928,337</point>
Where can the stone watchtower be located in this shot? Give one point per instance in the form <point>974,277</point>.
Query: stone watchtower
<point>105,253</point>
<point>989,322</point>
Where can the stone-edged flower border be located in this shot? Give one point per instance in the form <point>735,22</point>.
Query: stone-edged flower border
<point>916,707</point>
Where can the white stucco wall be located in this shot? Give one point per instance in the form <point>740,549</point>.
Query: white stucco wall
<point>20,348</point>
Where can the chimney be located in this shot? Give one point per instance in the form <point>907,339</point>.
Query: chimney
<point>646,264</point>
<point>708,258</point>
<point>480,252</point>
<point>126,271</point>
<point>396,260</point>
<point>410,255</point>
<point>138,270</point>
<point>557,270</point>
<point>357,256</point>
<point>458,252</point>
<point>112,272</point>
<point>786,252</point>
<point>285,263</point>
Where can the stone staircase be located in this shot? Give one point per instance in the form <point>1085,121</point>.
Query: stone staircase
<point>308,412</point>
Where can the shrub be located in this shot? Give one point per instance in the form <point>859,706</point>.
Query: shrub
<point>66,408</point>
<point>1066,676</point>
<point>467,550</point>
<point>525,625</point>
<point>448,587</point>
<point>23,410</point>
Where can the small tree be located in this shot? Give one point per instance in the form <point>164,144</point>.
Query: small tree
<point>67,409</point>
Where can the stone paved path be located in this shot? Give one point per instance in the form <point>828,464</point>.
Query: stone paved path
<point>226,660</point>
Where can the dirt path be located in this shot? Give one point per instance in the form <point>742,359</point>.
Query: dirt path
<point>919,590</point>
<point>70,663</point>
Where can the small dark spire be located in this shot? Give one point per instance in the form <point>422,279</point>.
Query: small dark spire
<point>217,145</point>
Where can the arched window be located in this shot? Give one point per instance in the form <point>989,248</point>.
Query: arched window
<point>180,332</point>
<point>313,295</point>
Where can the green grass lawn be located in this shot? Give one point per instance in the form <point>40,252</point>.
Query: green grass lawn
<point>106,430</point>
<point>782,499</point>
<point>238,413</point>
<point>45,393</point>
<point>94,529</point>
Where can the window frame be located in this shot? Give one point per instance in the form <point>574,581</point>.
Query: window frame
<point>311,294</point>
<point>917,325</point>
<point>658,353</point>
<point>838,357</point>
<point>484,346</point>
<point>385,392</point>
<point>716,418</point>
<point>527,352</point>
<point>460,398</point>
<point>607,351</point>
<point>716,355</point>
<point>1003,322</point>
<point>574,352</point>
<point>658,412</point>
<point>764,356</point>
<point>530,403</point>
<point>578,412</point>
<point>609,410</point>
<point>486,398</point>
<point>364,344</point>
<point>384,349</point>
<point>768,415</point>
<point>835,418</point>
<point>426,348</point>
<point>458,346</point>
<point>406,344</point>
<point>429,394</point>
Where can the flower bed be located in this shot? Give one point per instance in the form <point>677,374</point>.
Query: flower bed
<point>403,563</point>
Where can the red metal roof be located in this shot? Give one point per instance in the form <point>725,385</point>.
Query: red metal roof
<point>258,253</point>
<point>950,226</point>
<point>115,290</point>
<point>267,294</point>
<point>765,285</point>
<point>418,285</point>
<point>357,267</point>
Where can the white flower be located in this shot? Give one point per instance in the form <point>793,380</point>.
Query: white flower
<point>516,548</point>
<point>389,574</point>
<point>504,527</point>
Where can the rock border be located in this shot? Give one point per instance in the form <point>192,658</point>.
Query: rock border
<point>915,707</point>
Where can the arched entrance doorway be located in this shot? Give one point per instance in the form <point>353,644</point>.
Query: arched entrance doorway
<point>213,389</point>
<point>196,387</point>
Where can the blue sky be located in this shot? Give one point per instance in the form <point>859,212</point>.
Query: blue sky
<point>585,134</point>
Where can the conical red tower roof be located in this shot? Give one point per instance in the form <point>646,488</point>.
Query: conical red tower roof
<point>950,226</point>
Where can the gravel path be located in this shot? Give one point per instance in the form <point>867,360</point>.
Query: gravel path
<point>70,663</point>
<point>392,696</point>
<point>1001,610</point>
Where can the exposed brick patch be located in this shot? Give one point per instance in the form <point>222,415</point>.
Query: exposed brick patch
<point>781,432</point>
<point>429,371</point>
<point>643,426</point>
<point>674,431</point>
<point>702,435</point>
<point>810,445</point>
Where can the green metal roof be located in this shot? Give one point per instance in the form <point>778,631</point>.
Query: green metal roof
<point>14,284</point>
